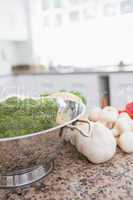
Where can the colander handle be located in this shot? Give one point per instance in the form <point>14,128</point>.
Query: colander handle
<point>73,127</point>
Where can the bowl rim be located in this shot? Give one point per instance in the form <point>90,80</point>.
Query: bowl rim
<point>50,129</point>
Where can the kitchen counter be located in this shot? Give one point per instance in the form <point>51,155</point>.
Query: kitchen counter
<point>103,70</point>
<point>97,70</point>
<point>75,178</point>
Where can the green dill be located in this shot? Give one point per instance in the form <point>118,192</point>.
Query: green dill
<point>21,117</point>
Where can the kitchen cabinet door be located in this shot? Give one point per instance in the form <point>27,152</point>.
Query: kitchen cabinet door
<point>84,83</point>
<point>121,89</point>
<point>87,84</point>
<point>34,85</point>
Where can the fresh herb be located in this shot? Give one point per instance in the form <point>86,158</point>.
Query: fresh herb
<point>21,117</point>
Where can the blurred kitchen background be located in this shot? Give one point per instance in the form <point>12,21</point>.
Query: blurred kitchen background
<point>84,45</point>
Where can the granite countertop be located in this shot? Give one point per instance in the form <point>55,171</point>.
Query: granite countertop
<point>75,178</point>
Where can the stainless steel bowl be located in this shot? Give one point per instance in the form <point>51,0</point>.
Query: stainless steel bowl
<point>26,159</point>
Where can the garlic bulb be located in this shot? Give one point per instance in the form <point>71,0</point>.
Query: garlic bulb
<point>117,140</point>
<point>100,146</point>
<point>124,115</point>
<point>109,116</point>
<point>124,124</point>
<point>125,142</point>
<point>115,132</point>
<point>94,114</point>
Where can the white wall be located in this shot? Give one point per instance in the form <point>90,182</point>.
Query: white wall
<point>15,47</point>
<point>14,53</point>
<point>7,57</point>
<point>99,41</point>
<point>35,25</point>
<point>96,42</point>
<point>13,21</point>
<point>23,53</point>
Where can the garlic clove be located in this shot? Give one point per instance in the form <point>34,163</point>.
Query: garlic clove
<point>117,140</point>
<point>73,139</point>
<point>108,124</point>
<point>123,124</point>
<point>125,142</point>
<point>94,114</point>
<point>124,115</point>
<point>109,114</point>
<point>115,132</point>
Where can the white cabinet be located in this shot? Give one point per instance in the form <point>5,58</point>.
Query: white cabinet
<point>13,20</point>
<point>121,89</point>
<point>37,84</point>
<point>85,83</point>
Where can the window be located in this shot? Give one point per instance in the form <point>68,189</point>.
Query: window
<point>72,19</point>
<point>111,9</point>
<point>126,6</point>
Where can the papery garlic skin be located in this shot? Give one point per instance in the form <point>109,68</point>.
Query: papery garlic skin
<point>109,116</point>
<point>73,138</point>
<point>94,114</point>
<point>117,140</point>
<point>108,124</point>
<point>125,142</point>
<point>124,115</point>
<point>123,124</point>
<point>99,147</point>
<point>115,132</point>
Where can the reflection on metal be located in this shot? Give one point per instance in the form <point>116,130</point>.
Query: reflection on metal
<point>24,178</point>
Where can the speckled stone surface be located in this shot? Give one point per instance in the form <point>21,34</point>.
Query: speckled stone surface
<point>75,178</point>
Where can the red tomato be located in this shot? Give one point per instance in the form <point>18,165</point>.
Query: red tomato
<point>129,109</point>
